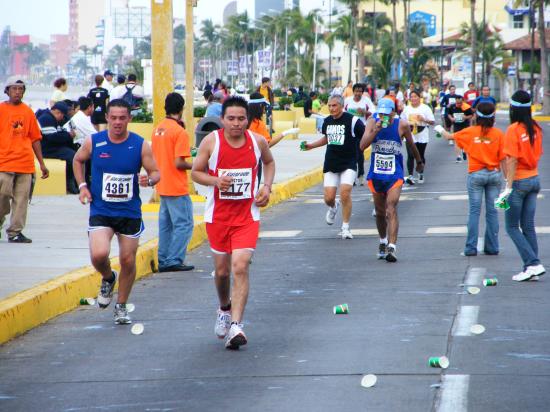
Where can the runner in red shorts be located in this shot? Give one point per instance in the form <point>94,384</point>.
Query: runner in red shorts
<point>227,163</point>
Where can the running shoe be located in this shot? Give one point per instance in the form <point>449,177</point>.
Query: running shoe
<point>223,323</point>
<point>451,142</point>
<point>19,238</point>
<point>106,291</point>
<point>421,178</point>
<point>235,337</point>
<point>458,159</point>
<point>391,255</point>
<point>346,233</point>
<point>121,314</point>
<point>331,213</point>
<point>537,270</point>
<point>381,251</point>
<point>373,214</point>
<point>409,180</point>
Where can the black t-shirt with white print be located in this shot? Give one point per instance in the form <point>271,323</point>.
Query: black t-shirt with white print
<point>343,135</point>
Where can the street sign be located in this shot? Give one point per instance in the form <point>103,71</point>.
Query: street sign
<point>428,20</point>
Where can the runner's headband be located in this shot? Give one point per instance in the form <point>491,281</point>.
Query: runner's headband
<point>479,114</point>
<point>518,104</point>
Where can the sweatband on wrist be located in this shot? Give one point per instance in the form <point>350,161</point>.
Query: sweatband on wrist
<point>81,185</point>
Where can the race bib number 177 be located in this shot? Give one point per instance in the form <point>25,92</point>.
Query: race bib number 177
<point>241,186</point>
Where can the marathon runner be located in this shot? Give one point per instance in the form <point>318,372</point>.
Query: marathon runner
<point>227,162</point>
<point>117,156</point>
<point>447,101</point>
<point>459,114</point>
<point>385,132</point>
<point>341,131</point>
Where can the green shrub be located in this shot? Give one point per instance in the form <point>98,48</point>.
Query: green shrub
<point>283,103</point>
<point>199,111</point>
<point>143,115</point>
<point>277,92</point>
<point>323,97</point>
<point>299,103</point>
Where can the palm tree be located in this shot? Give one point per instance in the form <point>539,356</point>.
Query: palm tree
<point>473,38</point>
<point>210,37</point>
<point>540,5</point>
<point>341,29</point>
<point>357,41</point>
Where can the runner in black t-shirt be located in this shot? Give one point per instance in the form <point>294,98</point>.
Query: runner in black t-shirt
<point>308,104</point>
<point>100,98</point>
<point>341,132</point>
<point>459,114</point>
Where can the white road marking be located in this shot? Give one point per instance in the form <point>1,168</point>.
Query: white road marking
<point>540,196</point>
<point>465,319</point>
<point>364,232</point>
<point>453,197</point>
<point>454,393</point>
<point>315,201</point>
<point>439,230</point>
<point>279,233</point>
<point>480,244</point>
<point>474,276</point>
<point>542,229</point>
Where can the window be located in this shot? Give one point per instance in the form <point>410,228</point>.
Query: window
<point>517,22</point>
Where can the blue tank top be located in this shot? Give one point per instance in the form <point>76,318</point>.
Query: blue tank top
<point>386,161</point>
<point>115,169</point>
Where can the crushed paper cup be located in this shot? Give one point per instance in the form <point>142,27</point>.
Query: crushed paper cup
<point>137,329</point>
<point>87,301</point>
<point>341,309</point>
<point>368,381</point>
<point>473,290</point>
<point>130,307</point>
<point>439,362</point>
<point>477,329</point>
<point>490,282</point>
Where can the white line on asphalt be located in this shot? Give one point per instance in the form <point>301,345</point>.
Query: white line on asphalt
<point>465,318</point>
<point>453,197</point>
<point>480,244</point>
<point>364,232</point>
<point>279,233</point>
<point>474,276</point>
<point>542,229</point>
<point>446,230</point>
<point>454,393</point>
<point>315,201</point>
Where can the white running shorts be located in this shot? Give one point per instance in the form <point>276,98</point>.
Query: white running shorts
<point>347,177</point>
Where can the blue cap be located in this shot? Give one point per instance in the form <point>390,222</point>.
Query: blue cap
<point>385,106</point>
<point>62,107</point>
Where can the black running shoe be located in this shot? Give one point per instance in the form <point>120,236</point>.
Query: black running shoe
<point>391,255</point>
<point>381,251</point>
<point>19,238</point>
<point>106,291</point>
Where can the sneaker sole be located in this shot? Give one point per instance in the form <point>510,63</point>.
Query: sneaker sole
<point>236,342</point>
<point>103,304</point>
<point>391,258</point>
<point>123,322</point>
<point>380,256</point>
<point>532,277</point>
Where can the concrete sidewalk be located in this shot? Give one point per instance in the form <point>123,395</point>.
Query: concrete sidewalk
<point>57,225</point>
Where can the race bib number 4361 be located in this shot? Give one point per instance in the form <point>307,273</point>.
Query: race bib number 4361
<point>117,188</point>
<point>241,186</point>
<point>384,164</point>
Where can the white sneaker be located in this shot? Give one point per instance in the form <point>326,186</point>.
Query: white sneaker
<point>223,323</point>
<point>346,233</point>
<point>331,213</point>
<point>523,276</point>
<point>235,337</point>
<point>537,270</point>
<point>421,178</point>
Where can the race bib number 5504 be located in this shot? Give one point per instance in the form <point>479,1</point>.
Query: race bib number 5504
<point>241,186</point>
<point>384,164</point>
<point>117,188</point>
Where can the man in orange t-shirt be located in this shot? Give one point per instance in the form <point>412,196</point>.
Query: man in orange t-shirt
<point>19,138</point>
<point>171,149</point>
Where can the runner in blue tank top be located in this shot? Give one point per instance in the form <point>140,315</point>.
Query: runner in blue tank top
<point>385,131</point>
<point>115,206</point>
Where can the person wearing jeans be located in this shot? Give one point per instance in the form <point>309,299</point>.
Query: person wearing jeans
<point>484,145</point>
<point>171,149</point>
<point>523,149</point>
<point>483,182</point>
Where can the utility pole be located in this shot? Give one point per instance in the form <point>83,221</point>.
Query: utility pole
<point>189,58</point>
<point>162,53</point>
<point>483,62</point>
<point>442,40</point>
<point>314,55</point>
<point>532,57</point>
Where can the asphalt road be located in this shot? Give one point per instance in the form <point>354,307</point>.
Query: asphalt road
<point>300,356</point>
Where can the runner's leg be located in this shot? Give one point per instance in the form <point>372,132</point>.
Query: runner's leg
<point>222,267</point>
<point>127,256</point>
<point>392,199</point>
<point>380,208</point>
<point>330,196</point>
<point>345,200</point>
<point>240,261</point>
<point>100,248</point>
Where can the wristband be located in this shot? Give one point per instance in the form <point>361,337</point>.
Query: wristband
<point>150,182</point>
<point>81,185</point>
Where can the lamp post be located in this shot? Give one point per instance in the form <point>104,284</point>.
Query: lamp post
<point>314,56</point>
<point>442,39</point>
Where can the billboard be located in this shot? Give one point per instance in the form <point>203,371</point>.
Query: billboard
<point>428,20</point>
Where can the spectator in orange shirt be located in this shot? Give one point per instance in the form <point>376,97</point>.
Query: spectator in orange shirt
<point>484,145</point>
<point>19,138</point>
<point>171,149</point>
<point>523,149</point>
<point>256,110</point>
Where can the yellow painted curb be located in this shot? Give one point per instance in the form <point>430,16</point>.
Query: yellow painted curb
<point>27,309</point>
<point>542,118</point>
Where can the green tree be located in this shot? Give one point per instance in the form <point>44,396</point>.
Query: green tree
<point>355,39</point>
<point>341,31</point>
<point>6,51</point>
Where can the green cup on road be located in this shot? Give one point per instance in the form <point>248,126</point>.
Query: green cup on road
<point>502,204</point>
<point>490,282</point>
<point>439,362</point>
<point>303,144</point>
<point>87,301</point>
<point>341,309</point>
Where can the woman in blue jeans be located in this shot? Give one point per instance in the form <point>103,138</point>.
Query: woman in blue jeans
<point>523,149</point>
<point>483,143</point>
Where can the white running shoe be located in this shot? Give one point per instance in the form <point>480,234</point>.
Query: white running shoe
<point>121,314</point>
<point>537,270</point>
<point>373,214</point>
<point>235,337</point>
<point>524,276</point>
<point>331,213</point>
<point>105,294</point>
<point>223,323</point>
<point>346,233</point>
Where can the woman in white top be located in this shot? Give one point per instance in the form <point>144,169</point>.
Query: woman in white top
<point>59,92</point>
<point>419,116</point>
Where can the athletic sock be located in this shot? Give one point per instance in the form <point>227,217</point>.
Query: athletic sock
<point>345,226</point>
<point>392,245</point>
<point>384,241</point>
